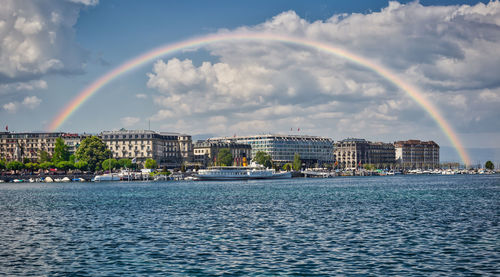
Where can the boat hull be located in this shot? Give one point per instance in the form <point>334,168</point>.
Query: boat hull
<point>286,175</point>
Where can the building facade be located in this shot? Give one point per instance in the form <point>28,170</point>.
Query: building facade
<point>26,146</point>
<point>73,141</point>
<point>413,154</point>
<point>167,149</point>
<point>353,153</point>
<point>205,152</point>
<point>282,148</point>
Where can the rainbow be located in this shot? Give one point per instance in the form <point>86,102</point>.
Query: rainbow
<point>142,59</point>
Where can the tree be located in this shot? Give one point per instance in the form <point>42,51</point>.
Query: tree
<point>31,166</point>
<point>15,165</point>
<point>263,158</point>
<point>43,156</point>
<point>287,167</point>
<point>125,163</point>
<point>369,166</point>
<point>81,165</point>
<point>46,165</point>
<point>61,152</point>
<point>224,157</point>
<point>65,165</point>
<point>110,164</point>
<point>297,163</point>
<point>489,165</point>
<point>151,164</point>
<point>93,151</point>
<point>2,164</point>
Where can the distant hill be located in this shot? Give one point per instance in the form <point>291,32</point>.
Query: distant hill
<point>477,155</point>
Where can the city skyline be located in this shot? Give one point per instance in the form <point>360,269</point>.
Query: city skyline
<point>448,50</point>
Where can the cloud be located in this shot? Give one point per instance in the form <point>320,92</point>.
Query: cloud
<point>86,2</point>
<point>31,102</point>
<point>141,96</point>
<point>11,107</point>
<point>24,86</point>
<point>129,121</point>
<point>37,38</point>
<point>451,53</point>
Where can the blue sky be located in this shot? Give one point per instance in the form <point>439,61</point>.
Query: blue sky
<point>50,50</point>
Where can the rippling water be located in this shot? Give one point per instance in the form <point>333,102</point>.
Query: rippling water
<point>408,225</point>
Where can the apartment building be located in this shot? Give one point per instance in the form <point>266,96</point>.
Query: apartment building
<point>412,154</point>
<point>205,152</point>
<point>22,146</point>
<point>353,153</point>
<point>168,149</point>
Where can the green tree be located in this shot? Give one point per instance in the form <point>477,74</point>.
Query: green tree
<point>15,165</point>
<point>263,158</point>
<point>224,157</point>
<point>82,165</point>
<point>2,164</point>
<point>46,165</point>
<point>125,163</point>
<point>489,165</point>
<point>65,165</point>
<point>287,167</point>
<point>61,152</point>
<point>297,163</point>
<point>43,156</point>
<point>93,151</point>
<point>72,158</point>
<point>110,164</point>
<point>369,166</point>
<point>151,164</point>
<point>31,166</point>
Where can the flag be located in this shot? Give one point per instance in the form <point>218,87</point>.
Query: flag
<point>7,128</point>
<point>298,129</point>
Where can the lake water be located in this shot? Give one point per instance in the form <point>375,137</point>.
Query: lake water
<point>398,225</point>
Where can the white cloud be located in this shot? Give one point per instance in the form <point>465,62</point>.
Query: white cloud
<point>11,107</point>
<point>31,102</point>
<point>37,38</point>
<point>86,2</point>
<point>450,52</point>
<point>24,86</point>
<point>141,96</point>
<point>490,96</point>
<point>129,121</point>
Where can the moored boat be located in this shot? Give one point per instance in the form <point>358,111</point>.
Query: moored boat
<point>240,173</point>
<point>107,177</point>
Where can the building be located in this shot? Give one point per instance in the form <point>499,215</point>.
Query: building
<point>167,149</point>
<point>73,141</point>
<point>282,148</point>
<point>353,153</point>
<point>413,154</point>
<point>205,152</point>
<point>26,146</point>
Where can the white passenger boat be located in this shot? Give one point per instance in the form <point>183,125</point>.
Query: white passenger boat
<point>107,177</point>
<point>240,173</point>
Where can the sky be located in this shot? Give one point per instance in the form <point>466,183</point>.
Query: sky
<point>449,50</point>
